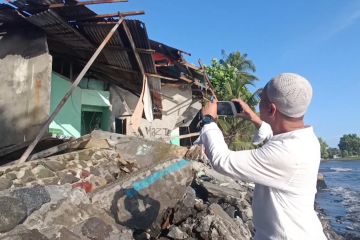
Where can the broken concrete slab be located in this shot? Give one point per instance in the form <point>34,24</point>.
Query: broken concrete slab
<point>138,202</point>
<point>12,212</point>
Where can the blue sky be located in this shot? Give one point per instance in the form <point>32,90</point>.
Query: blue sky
<point>317,39</point>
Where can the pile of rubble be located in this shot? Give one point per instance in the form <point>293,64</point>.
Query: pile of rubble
<point>128,188</point>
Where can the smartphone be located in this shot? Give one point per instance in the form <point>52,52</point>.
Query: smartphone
<point>228,108</point>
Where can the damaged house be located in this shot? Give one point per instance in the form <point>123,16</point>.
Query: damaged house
<point>134,86</point>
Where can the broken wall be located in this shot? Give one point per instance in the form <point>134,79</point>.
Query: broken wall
<point>176,100</point>
<point>25,74</point>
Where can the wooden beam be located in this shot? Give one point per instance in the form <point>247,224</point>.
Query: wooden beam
<point>59,148</point>
<point>112,15</point>
<point>133,47</point>
<point>207,80</point>
<point>162,77</point>
<point>45,127</point>
<point>59,5</point>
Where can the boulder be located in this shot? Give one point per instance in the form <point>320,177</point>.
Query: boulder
<point>33,198</point>
<point>320,182</point>
<point>12,212</point>
<point>5,183</point>
<point>95,228</point>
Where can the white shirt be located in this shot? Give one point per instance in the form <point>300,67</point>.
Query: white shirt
<point>284,171</point>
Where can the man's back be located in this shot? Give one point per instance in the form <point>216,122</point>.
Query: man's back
<point>288,213</point>
<point>284,170</point>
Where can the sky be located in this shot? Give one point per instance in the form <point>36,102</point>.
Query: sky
<point>319,40</point>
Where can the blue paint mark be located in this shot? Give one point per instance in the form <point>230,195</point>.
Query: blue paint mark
<point>147,182</point>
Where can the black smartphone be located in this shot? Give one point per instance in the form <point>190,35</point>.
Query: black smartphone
<point>228,108</point>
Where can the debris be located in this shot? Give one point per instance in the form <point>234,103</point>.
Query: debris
<point>12,212</point>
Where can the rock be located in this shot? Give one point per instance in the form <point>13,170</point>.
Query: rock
<point>226,226</point>
<point>86,154</point>
<point>181,212</point>
<point>12,212</point>
<point>67,178</point>
<point>95,171</point>
<point>95,228</point>
<point>97,182</point>
<point>176,233</point>
<point>58,193</point>
<point>84,174</point>
<point>50,181</point>
<point>33,198</point>
<point>53,165</point>
<point>320,182</point>
<point>216,191</point>
<point>26,234</point>
<point>10,176</point>
<point>97,143</point>
<point>5,183</point>
<point>83,164</point>
<point>189,197</point>
<point>205,223</point>
<point>66,234</point>
<point>42,172</point>
<point>83,185</point>
<point>25,175</point>
<point>199,205</point>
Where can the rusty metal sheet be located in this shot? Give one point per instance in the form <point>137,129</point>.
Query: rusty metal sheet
<point>57,29</point>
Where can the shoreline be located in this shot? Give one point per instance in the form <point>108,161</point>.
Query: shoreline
<point>342,159</point>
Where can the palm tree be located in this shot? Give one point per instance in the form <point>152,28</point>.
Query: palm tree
<point>237,132</point>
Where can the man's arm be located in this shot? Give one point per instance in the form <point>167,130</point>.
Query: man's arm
<point>264,165</point>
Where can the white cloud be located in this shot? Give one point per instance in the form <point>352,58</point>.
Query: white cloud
<point>346,21</point>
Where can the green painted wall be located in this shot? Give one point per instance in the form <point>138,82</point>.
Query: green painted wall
<point>69,122</point>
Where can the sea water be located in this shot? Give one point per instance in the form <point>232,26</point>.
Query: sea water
<point>340,201</point>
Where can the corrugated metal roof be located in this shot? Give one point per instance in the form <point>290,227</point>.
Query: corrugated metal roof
<point>96,34</point>
<point>77,40</point>
<point>8,14</point>
<point>57,29</point>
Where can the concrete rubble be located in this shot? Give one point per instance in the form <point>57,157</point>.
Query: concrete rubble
<point>128,188</point>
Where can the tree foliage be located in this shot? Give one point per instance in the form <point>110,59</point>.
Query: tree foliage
<point>333,152</point>
<point>231,77</point>
<point>324,149</point>
<point>349,145</point>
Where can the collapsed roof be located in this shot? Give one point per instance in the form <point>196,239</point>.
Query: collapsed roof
<point>74,32</point>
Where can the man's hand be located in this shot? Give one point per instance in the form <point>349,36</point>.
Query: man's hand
<point>210,109</point>
<point>248,113</point>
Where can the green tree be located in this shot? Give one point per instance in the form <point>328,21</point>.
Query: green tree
<point>349,145</point>
<point>323,149</point>
<point>231,76</point>
<point>333,152</point>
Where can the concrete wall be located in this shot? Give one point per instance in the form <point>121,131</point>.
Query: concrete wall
<point>25,73</point>
<point>123,104</point>
<point>175,101</point>
<point>68,122</point>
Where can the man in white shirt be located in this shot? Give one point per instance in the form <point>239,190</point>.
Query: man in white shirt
<point>284,169</point>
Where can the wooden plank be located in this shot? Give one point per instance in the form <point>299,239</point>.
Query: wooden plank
<point>59,5</point>
<point>162,77</point>
<point>68,94</point>
<point>60,147</point>
<point>137,114</point>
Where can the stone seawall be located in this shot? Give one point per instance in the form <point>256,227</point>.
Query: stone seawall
<point>117,187</point>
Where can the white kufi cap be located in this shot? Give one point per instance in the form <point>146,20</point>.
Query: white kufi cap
<point>291,94</point>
